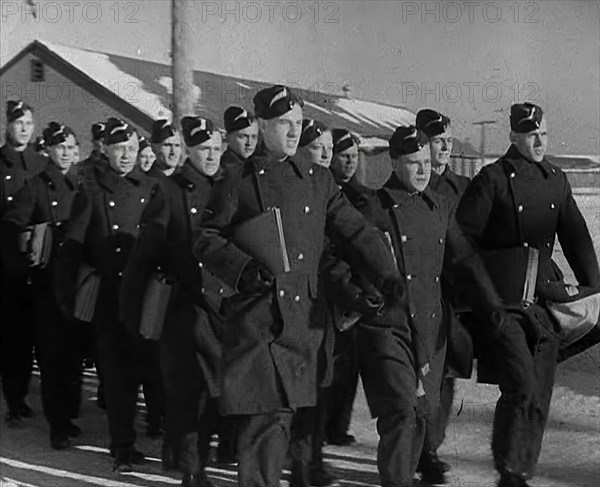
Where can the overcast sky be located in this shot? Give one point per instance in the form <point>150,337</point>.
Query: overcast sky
<point>470,60</point>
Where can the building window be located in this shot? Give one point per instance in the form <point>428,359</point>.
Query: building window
<point>37,70</point>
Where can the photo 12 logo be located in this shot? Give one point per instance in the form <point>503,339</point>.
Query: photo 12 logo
<point>453,12</point>
<point>69,11</point>
<point>272,12</point>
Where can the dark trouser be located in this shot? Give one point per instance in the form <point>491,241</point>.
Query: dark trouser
<point>526,383</point>
<point>227,429</point>
<point>58,345</point>
<point>152,382</point>
<point>388,375</point>
<point>263,445</point>
<point>119,356</point>
<point>307,438</point>
<point>345,382</point>
<point>437,419</point>
<point>17,338</point>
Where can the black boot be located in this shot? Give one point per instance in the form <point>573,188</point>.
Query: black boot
<point>508,479</point>
<point>432,469</point>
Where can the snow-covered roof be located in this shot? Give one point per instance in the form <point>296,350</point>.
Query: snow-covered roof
<point>147,86</point>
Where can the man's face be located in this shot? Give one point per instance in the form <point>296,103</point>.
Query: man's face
<point>282,134</point>
<point>21,129</point>
<point>206,157</point>
<point>344,164</point>
<point>122,157</point>
<point>532,145</point>
<point>413,170</point>
<point>319,151</point>
<point>63,154</point>
<point>441,147</point>
<point>146,158</point>
<point>243,142</point>
<point>168,153</point>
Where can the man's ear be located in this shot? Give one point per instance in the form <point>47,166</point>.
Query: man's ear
<point>512,137</point>
<point>262,125</point>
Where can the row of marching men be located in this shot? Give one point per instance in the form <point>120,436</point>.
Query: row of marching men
<point>260,340</point>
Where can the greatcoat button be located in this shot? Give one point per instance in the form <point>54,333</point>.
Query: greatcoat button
<point>281,293</point>
<point>54,203</point>
<point>300,256</point>
<point>297,298</point>
<point>8,177</point>
<point>306,210</point>
<point>512,174</point>
<point>194,210</point>
<point>118,250</point>
<point>142,200</point>
<point>115,227</point>
<point>403,238</point>
<point>552,205</point>
<point>111,203</point>
<point>520,208</point>
<point>9,198</point>
<point>437,279</point>
<point>261,172</point>
<point>525,244</point>
<point>200,264</point>
<point>409,277</point>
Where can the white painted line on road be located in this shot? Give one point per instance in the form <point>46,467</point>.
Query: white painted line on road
<point>65,474</point>
<point>8,482</point>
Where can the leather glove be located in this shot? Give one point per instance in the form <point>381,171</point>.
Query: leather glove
<point>255,279</point>
<point>393,288</point>
<point>367,303</point>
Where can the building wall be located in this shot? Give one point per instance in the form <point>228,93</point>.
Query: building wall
<point>54,99</point>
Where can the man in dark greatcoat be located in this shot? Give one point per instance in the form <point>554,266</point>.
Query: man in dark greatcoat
<point>18,163</point>
<point>109,213</point>
<point>522,202</point>
<point>270,345</point>
<point>402,349</point>
<point>241,138</point>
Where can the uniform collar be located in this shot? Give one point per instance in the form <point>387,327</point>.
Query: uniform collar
<point>193,178</point>
<point>517,162</point>
<point>13,158</point>
<point>446,177</point>
<point>393,194</point>
<point>261,160</point>
<point>229,154</point>
<point>55,178</point>
<point>354,189</point>
<point>109,178</point>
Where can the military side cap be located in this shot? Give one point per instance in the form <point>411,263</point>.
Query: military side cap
<point>161,130</point>
<point>311,130</point>
<point>407,140</point>
<point>39,144</point>
<point>237,118</point>
<point>196,130</point>
<point>56,133</point>
<point>431,122</point>
<point>117,131</point>
<point>274,101</point>
<point>143,141</point>
<point>525,117</point>
<point>15,110</point>
<point>342,140</point>
<point>98,130</point>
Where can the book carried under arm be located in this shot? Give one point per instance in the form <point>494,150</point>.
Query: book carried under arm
<point>262,239</point>
<point>154,307</point>
<point>39,245</point>
<point>86,295</point>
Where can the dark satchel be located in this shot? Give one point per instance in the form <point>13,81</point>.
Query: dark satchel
<point>154,308</point>
<point>86,295</point>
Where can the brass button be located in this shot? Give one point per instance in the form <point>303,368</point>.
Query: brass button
<point>281,293</point>
<point>437,279</point>
<point>403,238</point>
<point>396,205</point>
<point>221,291</point>
<point>310,171</point>
<point>194,210</point>
<point>552,205</point>
<point>118,250</point>
<point>300,256</point>
<point>120,274</point>
<point>115,227</point>
<point>200,264</point>
<point>520,208</point>
<point>441,240</point>
<point>9,198</point>
<point>54,203</point>
<point>525,244</point>
<point>111,203</point>
<point>8,177</point>
<point>306,210</point>
<point>512,174</point>
<point>261,172</point>
<point>412,315</point>
<point>409,277</point>
<point>142,200</point>
<point>297,298</point>
<point>433,315</point>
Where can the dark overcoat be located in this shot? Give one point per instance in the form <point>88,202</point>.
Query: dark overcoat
<point>270,342</point>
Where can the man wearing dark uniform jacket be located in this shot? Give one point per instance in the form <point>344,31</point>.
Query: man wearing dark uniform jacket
<point>18,163</point>
<point>269,344</point>
<point>96,158</point>
<point>189,347</point>
<point>166,144</point>
<point>436,127</point>
<point>241,138</point>
<point>47,199</point>
<point>109,213</point>
<point>345,379</point>
<point>146,156</point>
<point>523,201</point>
<point>402,349</point>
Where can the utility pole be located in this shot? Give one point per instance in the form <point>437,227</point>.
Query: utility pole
<point>483,124</point>
<point>182,60</point>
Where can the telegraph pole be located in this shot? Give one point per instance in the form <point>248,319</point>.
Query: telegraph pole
<point>182,59</point>
<point>483,124</point>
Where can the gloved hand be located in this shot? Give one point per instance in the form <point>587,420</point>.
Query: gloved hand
<point>367,303</point>
<point>255,279</point>
<point>393,288</point>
